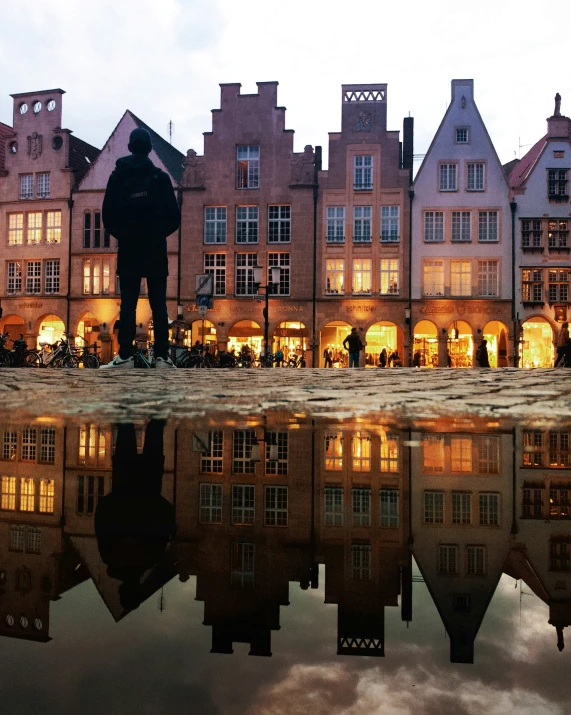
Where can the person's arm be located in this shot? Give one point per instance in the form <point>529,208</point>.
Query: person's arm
<point>169,212</point>
<point>109,211</point>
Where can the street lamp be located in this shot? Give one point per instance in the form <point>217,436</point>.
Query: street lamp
<point>274,279</point>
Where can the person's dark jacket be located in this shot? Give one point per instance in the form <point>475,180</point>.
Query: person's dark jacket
<point>143,250</point>
<point>353,343</point>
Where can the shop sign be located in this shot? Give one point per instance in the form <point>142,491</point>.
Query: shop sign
<point>291,333</point>
<point>30,305</point>
<point>359,308</point>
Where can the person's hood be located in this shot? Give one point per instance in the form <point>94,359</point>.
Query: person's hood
<point>133,164</point>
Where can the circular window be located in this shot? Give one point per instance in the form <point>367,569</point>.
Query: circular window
<point>24,622</point>
<point>51,105</point>
<point>57,143</point>
<point>23,108</point>
<point>37,107</point>
<point>13,146</point>
<point>10,620</point>
<point>38,624</point>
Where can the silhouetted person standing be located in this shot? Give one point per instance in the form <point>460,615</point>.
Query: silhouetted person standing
<point>482,354</point>
<point>140,209</point>
<point>353,345</point>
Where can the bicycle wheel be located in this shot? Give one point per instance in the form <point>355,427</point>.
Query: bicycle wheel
<point>32,359</point>
<point>89,362</point>
<point>5,358</point>
<point>69,361</point>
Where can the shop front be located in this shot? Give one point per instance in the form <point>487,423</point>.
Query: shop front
<point>291,337</point>
<point>496,334</point>
<point>49,329</point>
<point>246,333</point>
<point>13,324</point>
<point>425,344</point>
<point>202,332</point>
<point>88,330</point>
<point>537,348</point>
<point>383,335</point>
<point>460,344</point>
<point>332,337</point>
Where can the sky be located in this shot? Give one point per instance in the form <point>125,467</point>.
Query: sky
<point>164,60</point>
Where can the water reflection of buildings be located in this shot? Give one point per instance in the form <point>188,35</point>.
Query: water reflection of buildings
<point>263,503</point>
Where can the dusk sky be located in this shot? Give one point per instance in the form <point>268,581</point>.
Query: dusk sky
<point>164,61</point>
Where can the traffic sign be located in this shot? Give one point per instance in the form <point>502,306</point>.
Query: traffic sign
<point>204,284</point>
<point>202,301</point>
<point>202,309</point>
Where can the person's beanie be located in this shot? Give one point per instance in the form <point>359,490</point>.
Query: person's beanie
<point>140,142</point>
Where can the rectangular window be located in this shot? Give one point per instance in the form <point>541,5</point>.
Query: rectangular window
<point>333,507</point>
<point>559,502</point>
<point>243,504</point>
<point>448,173</point>
<point>10,445</point>
<point>433,226</point>
<point>390,224</point>
<point>47,491</point>
<point>334,452</point>
<point>389,507</point>
<point>559,554</point>
<point>27,186</point>
<point>476,560</point>
<point>434,507</point>
<point>17,538</point>
<point>96,229</point>
<point>462,135</point>
<point>557,182</point>
<point>215,265</point>
<point>558,234</point>
<point>461,226</point>
<point>447,559</point>
<point>532,449</point>
<point>461,508</point>
<point>8,493</point>
<point>488,450</point>
<point>488,226</point>
<point>279,224</point>
<point>361,506</point>
<point>244,440</point>
<point>558,288</point>
<point>277,447</point>
<point>51,276</point>
<point>87,229</point>
<point>215,224</point>
<point>559,445</point>
<point>33,540</point>
<point>334,283</point>
<point>47,445</point>
<point>362,173</point>
<point>210,504</point>
<point>43,185</point>
<point>275,506</point>
<point>433,454</point>
<point>433,274</point>
<point>532,503</point>
<point>92,449</point>
<point>361,452</point>
<point>362,224</point>
<point>361,562</point>
<point>389,276</point>
<point>87,276</point>
<point>531,233</point>
<point>335,230</point>
<point>33,277</point>
<point>244,284</point>
<point>247,167</point>
<point>211,462</point>
<point>246,224</point>
<point>28,451</point>
<point>27,495</point>
<point>281,261</point>
<point>532,285</point>
<point>53,233</point>
<point>15,229</point>
<point>34,226</point>
<point>14,282</point>
<point>389,452</point>
<point>242,564</point>
<point>362,276</point>
<point>89,492</point>
<point>461,455</point>
<point>489,509</point>
<point>461,278</point>
<point>488,275</point>
<point>476,177</point>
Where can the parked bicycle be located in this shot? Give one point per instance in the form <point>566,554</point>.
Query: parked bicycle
<point>86,358</point>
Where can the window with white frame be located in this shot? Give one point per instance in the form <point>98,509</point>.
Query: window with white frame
<point>96,276</point>
<point>53,227</point>
<point>47,496</point>
<point>93,227</point>
<point>361,452</point>
<point>14,277</point>
<point>433,454</point>
<point>461,508</point>
<point>533,445</point>
<point>333,506</point>
<point>461,226</point>
<point>476,560</point>
<point>389,507</point>
<point>247,224</point>
<point>476,177</point>
<point>448,559</point>
<point>247,167</point>
<point>15,229</point>
<point>43,185</point>
<point>275,506</point>
<point>448,174</point>
<point>27,186</point>
<point>433,278</point>
<point>389,276</point>
<point>361,562</point>
<point>362,276</point>
<point>8,502</point>
<point>211,462</point>
<point>279,224</point>
<point>215,265</point>
<point>488,279</point>
<point>557,233</point>
<point>461,278</point>
<point>244,283</point>
<point>462,135</point>
<point>434,507</point>
<point>362,173</point>
<point>92,447</point>
<point>210,511</point>
<point>243,504</point>
<point>559,449</point>
<point>488,226</point>
<point>90,490</point>
<point>558,285</point>
<point>532,506</point>
<point>461,455</point>
<point>488,453</point>
<point>489,509</point>
<point>390,224</point>
<point>362,224</point>
<point>215,224</point>
<point>34,227</point>
<point>334,276</point>
<point>532,285</point>
<point>28,448</point>
<point>279,465</point>
<point>334,452</point>
<point>433,226</point>
<point>335,224</point>
<point>10,445</point>
<point>531,233</point>
<point>243,441</point>
<point>557,180</point>
<point>389,452</point>
<point>281,261</point>
<point>27,495</point>
<point>361,506</point>
<point>17,537</point>
<point>242,564</point>
<point>47,445</point>
<point>51,276</point>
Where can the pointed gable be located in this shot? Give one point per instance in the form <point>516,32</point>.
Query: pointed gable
<point>524,167</point>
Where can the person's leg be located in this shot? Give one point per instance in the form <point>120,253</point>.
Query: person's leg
<point>560,355</point>
<point>157,287</point>
<point>124,459</point>
<point>153,457</point>
<point>130,286</point>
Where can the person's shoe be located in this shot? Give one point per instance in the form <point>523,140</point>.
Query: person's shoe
<point>164,363</point>
<point>119,363</point>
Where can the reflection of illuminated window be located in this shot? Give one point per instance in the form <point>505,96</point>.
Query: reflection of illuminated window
<point>242,564</point>
<point>243,504</point>
<point>461,508</point>
<point>461,454</point>
<point>433,507</point>
<point>489,509</point>
<point>210,504</point>
<point>532,449</point>
<point>433,454</point>
<point>92,445</point>
<point>275,506</point>
<point>244,440</point>
<point>47,488</point>
<point>448,559</point>
<point>389,507</point>
<point>476,557</point>
<point>211,461</point>
<point>361,506</point>
<point>389,452</point>
<point>279,465</point>
<point>333,508</point>
<point>559,454</point>
<point>9,493</point>
<point>559,502</point>
<point>361,452</point>
<point>361,561</point>
<point>488,454</point>
<point>27,495</point>
<point>334,452</point>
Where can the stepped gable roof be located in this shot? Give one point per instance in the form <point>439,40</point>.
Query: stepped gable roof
<point>5,131</point>
<point>172,158</point>
<point>81,156</point>
<point>523,168</point>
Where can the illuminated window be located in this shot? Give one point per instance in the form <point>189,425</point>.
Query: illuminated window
<point>27,495</point>
<point>362,276</point>
<point>334,452</point>
<point>560,501</point>
<point>210,504</point>
<point>361,452</point>
<point>34,233</point>
<point>9,493</point>
<point>275,506</point>
<point>361,506</point>
<point>532,449</point>
<point>53,232</point>
<point>488,448</point>
<point>433,278</point>
<point>461,278</point>
<point>243,504</point>
<point>334,283</point>
<point>389,452</point>
<point>389,276</point>
<point>433,453</point>
<point>333,507</point>
<point>461,454</point>
<point>92,445</point>
<point>15,229</point>
<point>47,490</point>
<point>211,462</point>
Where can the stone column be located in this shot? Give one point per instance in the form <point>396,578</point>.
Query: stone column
<point>442,349</point>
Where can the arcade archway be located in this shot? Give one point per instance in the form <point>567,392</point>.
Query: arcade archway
<point>496,333</point>
<point>332,337</point>
<point>537,343</point>
<point>87,329</point>
<point>291,337</point>
<point>460,344</point>
<point>13,324</point>
<point>425,345</point>
<point>49,329</point>
<point>383,335</point>
<point>245,333</point>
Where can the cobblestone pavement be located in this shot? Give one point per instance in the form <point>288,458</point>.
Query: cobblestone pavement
<point>403,394</point>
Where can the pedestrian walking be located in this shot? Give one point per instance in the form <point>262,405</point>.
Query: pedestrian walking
<point>353,345</point>
<point>328,356</point>
<point>416,359</point>
<point>140,209</point>
<point>563,346</point>
<point>279,357</point>
<point>482,354</point>
<point>383,358</point>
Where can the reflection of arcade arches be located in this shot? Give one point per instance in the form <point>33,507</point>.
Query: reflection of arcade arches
<point>496,333</point>
<point>290,336</point>
<point>245,332</point>
<point>383,334</point>
<point>537,343</point>
<point>460,344</point>
<point>14,325</point>
<point>426,343</point>
<point>333,335</point>
<point>49,329</point>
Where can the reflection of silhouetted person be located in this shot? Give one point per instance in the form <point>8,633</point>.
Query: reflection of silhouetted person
<point>134,523</point>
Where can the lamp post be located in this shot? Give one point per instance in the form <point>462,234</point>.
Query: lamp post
<point>274,279</point>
